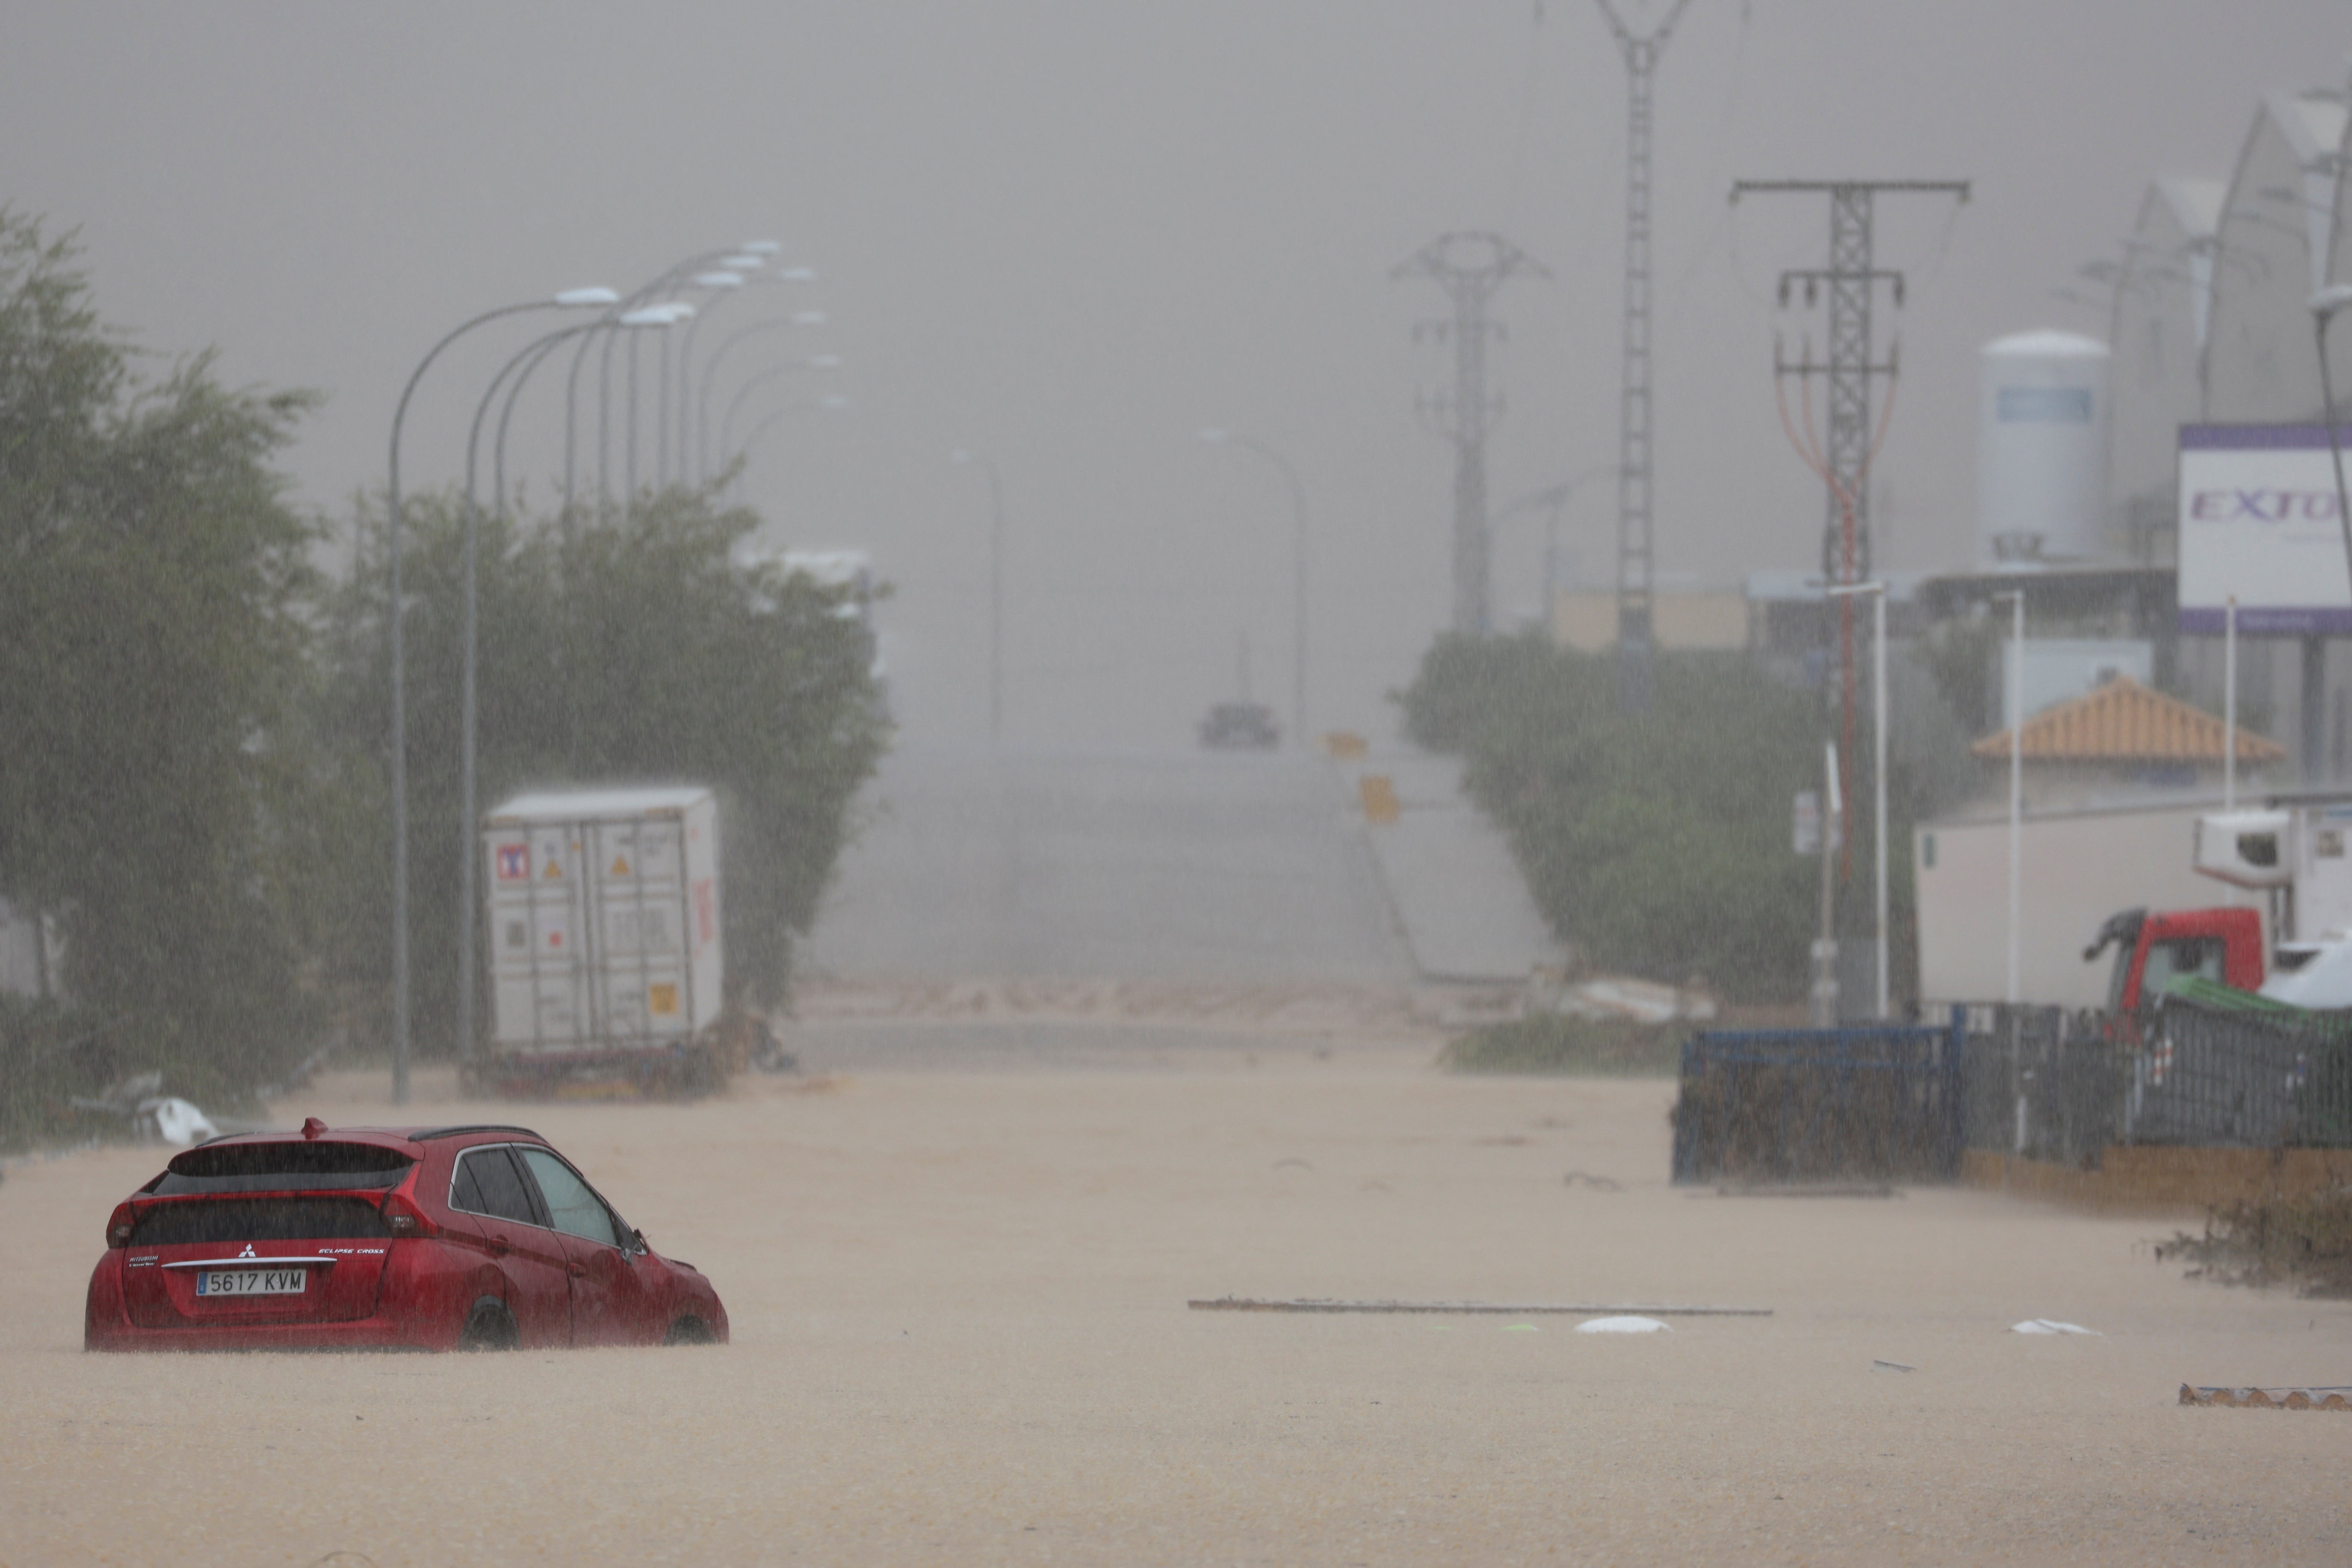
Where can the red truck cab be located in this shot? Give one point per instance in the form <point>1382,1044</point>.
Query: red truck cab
<point>2154,949</point>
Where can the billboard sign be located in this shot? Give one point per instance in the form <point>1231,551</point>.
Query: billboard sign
<point>2258,519</point>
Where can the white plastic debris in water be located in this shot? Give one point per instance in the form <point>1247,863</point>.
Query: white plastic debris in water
<point>177,1121</point>
<point>2049,1326</point>
<point>1621,1326</point>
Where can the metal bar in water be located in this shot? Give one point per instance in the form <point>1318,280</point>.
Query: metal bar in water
<point>1311,1304</point>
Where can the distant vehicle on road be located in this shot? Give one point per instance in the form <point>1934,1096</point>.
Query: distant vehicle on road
<point>373,1238</point>
<point>1240,727</point>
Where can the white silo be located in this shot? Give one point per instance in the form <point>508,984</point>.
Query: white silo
<point>2042,454</point>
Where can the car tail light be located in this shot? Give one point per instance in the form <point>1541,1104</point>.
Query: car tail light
<point>403,1219</point>
<point>118,1225</point>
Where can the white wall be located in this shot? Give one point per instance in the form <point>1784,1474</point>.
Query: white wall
<point>2079,868</point>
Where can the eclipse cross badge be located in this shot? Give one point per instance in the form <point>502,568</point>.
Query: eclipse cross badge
<point>249,1250</point>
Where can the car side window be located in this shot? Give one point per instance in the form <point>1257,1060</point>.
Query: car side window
<point>578,1211</point>
<point>488,1184</point>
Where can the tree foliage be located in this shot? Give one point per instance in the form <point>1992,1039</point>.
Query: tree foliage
<point>193,741</point>
<point>153,648</point>
<point>1657,845</point>
<point>636,650</point>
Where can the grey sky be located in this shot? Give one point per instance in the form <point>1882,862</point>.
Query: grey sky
<point>1070,234</point>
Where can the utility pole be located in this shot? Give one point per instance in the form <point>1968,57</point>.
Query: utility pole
<point>1636,555</point>
<point>1469,267</point>
<point>1852,281</point>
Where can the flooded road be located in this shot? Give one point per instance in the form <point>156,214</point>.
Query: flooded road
<point>960,1336</point>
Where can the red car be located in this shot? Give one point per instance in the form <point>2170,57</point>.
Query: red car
<point>373,1238</point>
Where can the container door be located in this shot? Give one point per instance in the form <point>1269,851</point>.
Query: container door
<point>538,963</point>
<point>641,980</point>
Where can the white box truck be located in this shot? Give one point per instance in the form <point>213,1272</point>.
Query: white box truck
<point>604,937</point>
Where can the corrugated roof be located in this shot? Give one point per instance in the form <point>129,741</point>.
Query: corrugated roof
<point>2124,721</point>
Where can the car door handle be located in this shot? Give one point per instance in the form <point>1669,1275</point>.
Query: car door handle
<point>500,1246</point>
<point>577,1271</point>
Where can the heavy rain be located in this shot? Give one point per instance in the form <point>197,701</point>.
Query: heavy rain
<point>1274,782</point>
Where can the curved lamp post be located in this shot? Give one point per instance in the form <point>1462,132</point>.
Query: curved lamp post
<point>1555,498</point>
<point>1218,438</point>
<point>700,445</point>
<point>750,266</point>
<point>570,298</point>
<point>468,722</point>
<point>735,404</point>
<point>831,403</point>
<point>749,253</point>
<point>666,314</point>
<point>718,285</point>
<point>995,590</point>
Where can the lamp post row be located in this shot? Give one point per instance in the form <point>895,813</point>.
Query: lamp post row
<point>617,312</point>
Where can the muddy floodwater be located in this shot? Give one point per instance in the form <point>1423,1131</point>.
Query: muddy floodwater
<point>960,1336</point>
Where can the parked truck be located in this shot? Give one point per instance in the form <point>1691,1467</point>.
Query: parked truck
<point>2294,850</point>
<point>606,962</point>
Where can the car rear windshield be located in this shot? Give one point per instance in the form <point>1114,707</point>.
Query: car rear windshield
<point>257,1219</point>
<point>280,1167</point>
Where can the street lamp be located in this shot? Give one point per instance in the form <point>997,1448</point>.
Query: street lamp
<point>1877,591</point>
<point>668,314</point>
<point>996,591</point>
<point>468,722</point>
<point>735,404</point>
<point>570,298</point>
<point>2324,306</point>
<point>831,403</point>
<point>1555,498</point>
<point>2016,598</point>
<point>701,443</point>
<point>719,284</point>
<point>1216,436</point>
<point>644,316</point>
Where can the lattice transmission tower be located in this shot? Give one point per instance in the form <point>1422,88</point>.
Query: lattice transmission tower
<point>1851,281</point>
<point>1469,266</point>
<point>1636,545</point>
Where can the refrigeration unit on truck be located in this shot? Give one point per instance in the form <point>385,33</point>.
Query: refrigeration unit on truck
<point>2296,851</point>
<point>605,957</point>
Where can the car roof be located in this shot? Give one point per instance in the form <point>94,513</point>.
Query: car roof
<point>387,1137</point>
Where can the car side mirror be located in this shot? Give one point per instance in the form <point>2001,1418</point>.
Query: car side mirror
<point>640,1238</point>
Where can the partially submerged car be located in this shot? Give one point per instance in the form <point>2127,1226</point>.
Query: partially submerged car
<point>470,1238</point>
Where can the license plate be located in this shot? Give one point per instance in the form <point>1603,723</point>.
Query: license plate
<point>252,1281</point>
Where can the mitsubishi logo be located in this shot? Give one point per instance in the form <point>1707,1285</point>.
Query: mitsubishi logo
<point>249,1250</point>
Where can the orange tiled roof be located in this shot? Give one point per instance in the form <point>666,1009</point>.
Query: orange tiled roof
<point>2124,721</point>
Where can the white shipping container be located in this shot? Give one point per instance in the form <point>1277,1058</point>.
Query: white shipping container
<point>603,923</point>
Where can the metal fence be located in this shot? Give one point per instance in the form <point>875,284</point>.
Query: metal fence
<point>1821,1105</point>
<point>2062,1085</point>
<point>1900,1104</point>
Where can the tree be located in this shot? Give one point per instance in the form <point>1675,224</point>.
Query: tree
<point>155,800</point>
<point>640,650</point>
<point>1657,845</point>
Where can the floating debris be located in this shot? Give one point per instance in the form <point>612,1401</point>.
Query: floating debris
<point>1892,1366</point>
<point>2333,1398</point>
<point>2051,1326</point>
<point>1627,1324</point>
